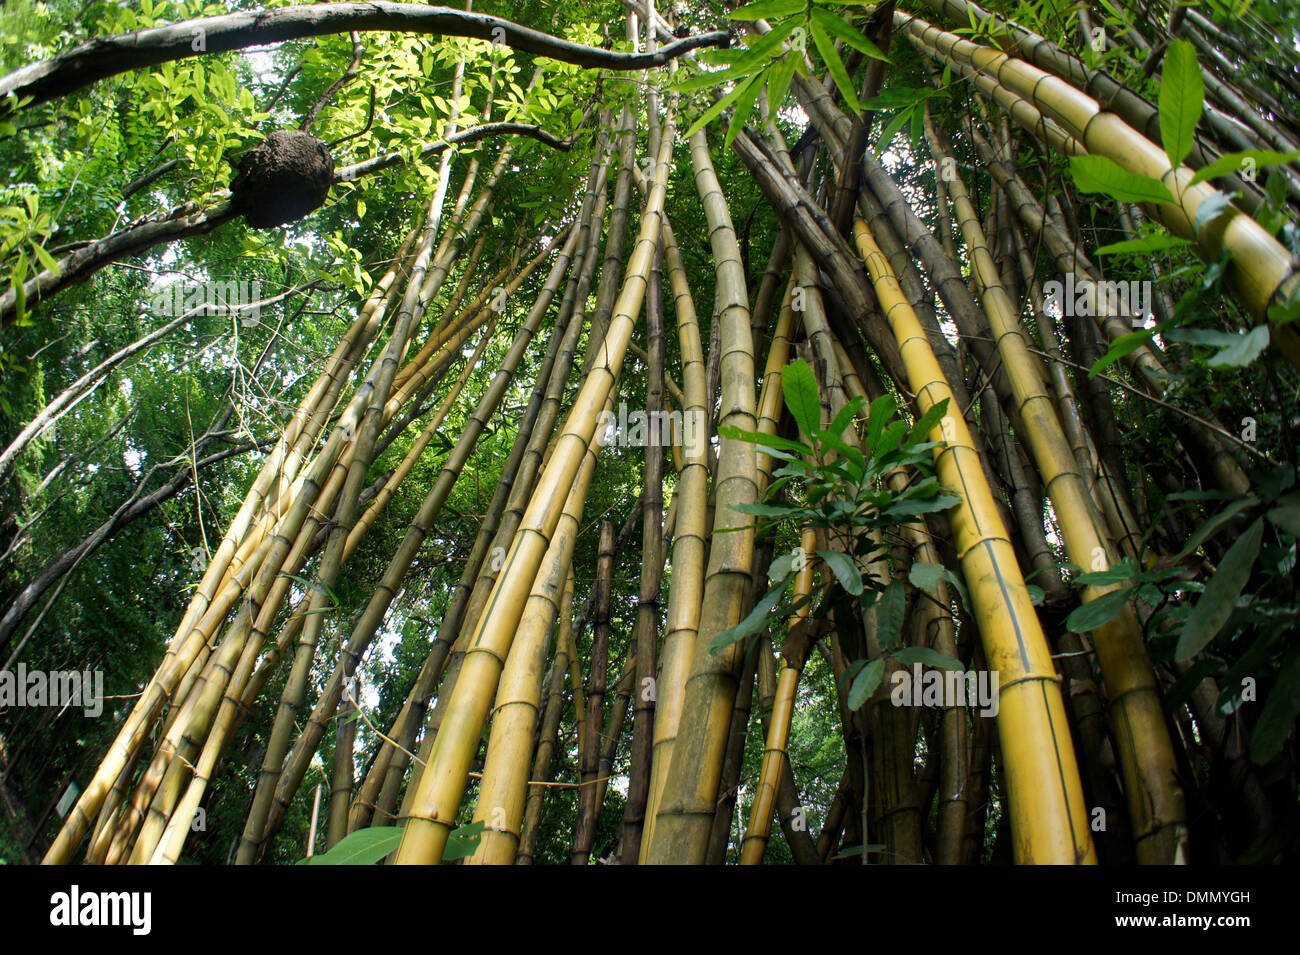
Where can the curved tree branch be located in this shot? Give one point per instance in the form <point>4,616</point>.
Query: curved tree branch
<point>107,56</point>
<point>88,258</point>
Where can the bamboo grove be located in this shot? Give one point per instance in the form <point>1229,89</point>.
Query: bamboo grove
<point>807,432</point>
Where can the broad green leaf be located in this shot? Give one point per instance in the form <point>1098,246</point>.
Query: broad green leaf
<point>1210,209</point>
<point>800,388</point>
<point>765,510</point>
<point>756,620</point>
<point>1229,163</point>
<point>1121,347</point>
<point>826,47</point>
<point>770,440</point>
<point>1099,612</point>
<point>363,847</point>
<point>926,576</point>
<point>882,409</point>
<point>1100,174</point>
<point>927,657</point>
<point>1280,711</point>
<point>926,423</point>
<point>848,33</point>
<point>1286,517</point>
<point>1217,601</point>
<point>1206,530</point>
<point>846,415</point>
<point>1182,95</point>
<point>889,615</point>
<point>865,683</point>
<point>845,570</point>
<point>463,841</point>
<point>1243,351</point>
<point>765,9</point>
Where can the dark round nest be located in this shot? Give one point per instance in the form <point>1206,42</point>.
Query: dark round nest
<point>282,178</point>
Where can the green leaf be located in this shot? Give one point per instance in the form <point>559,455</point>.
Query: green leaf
<point>846,415</point>
<point>1100,174</point>
<point>1206,530</point>
<point>756,620</point>
<point>1182,95</point>
<point>778,82</point>
<point>1099,612</point>
<point>1211,208</point>
<point>47,260</point>
<point>714,111</point>
<point>744,106</point>
<point>1286,517</point>
<point>363,847</point>
<point>462,841</point>
<point>1229,163</point>
<point>926,576</point>
<point>765,510</point>
<point>826,47</point>
<point>1280,711</point>
<point>882,409</point>
<point>1245,350</point>
<point>800,388</point>
<point>926,423</point>
<point>1151,243</point>
<point>1219,598</point>
<point>848,33</point>
<point>765,9</point>
<point>865,683</point>
<point>845,570</point>
<point>889,615</point>
<point>758,437</point>
<point>1121,347</point>
<point>927,657</point>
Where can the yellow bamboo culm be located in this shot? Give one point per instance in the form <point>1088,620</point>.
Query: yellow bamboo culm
<point>1263,271</point>
<point>442,784</point>
<point>504,789</point>
<point>1049,820</point>
<point>778,728</point>
<point>1155,799</point>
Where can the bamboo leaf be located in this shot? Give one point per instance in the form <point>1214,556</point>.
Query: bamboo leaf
<point>1182,95</point>
<point>848,33</point>
<point>714,111</point>
<point>1104,175</point>
<point>778,84</point>
<point>1229,163</point>
<point>882,409</point>
<point>1219,598</point>
<point>765,9</point>
<point>826,47</point>
<point>1151,243</point>
<point>800,388</point>
<point>1206,530</point>
<point>744,106</point>
<point>363,847</point>
<point>462,841</point>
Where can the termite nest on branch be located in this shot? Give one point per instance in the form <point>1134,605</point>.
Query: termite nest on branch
<point>282,178</point>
